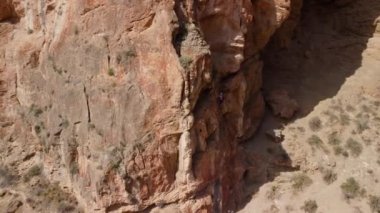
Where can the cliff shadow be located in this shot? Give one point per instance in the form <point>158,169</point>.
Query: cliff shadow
<point>325,50</point>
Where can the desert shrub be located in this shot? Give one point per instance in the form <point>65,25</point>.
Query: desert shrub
<point>51,194</point>
<point>32,172</point>
<point>7,178</point>
<point>126,55</point>
<point>64,123</point>
<point>310,206</point>
<point>300,182</point>
<point>365,108</point>
<point>316,142</point>
<point>37,129</point>
<point>301,129</point>
<point>350,108</point>
<point>354,147</point>
<point>76,30</point>
<point>35,110</point>
<point>337,106</point>
<point>332,117</point>
<point>74,168</point>
<point>344,119</point>
<point>329,176</point>
<point>130,53</point>
<point>111,72</point>
<point>65,207</point>
<point>315,124</point>
<point>185,61</point>
<point>350,188</point>
<point>333,139</point>
<point>374,203</point>
<point>272,192</point>
<point>361,124</point>
<point>338,150</point>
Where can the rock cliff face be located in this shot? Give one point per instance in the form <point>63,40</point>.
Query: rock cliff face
<point>131,105</point>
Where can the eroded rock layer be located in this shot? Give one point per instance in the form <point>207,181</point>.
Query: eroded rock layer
<point>130,105</point>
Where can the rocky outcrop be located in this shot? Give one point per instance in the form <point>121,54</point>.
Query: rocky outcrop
<point>133,105</point>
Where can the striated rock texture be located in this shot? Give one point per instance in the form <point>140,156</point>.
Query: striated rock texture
<point>126,106</point>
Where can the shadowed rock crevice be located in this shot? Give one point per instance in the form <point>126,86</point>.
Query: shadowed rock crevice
<point>8,12</point>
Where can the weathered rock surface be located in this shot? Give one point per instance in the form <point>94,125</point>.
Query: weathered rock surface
<point>131,105</point>
<point>282,104</point>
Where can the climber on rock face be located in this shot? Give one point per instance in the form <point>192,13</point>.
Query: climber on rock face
<point>220,98</point>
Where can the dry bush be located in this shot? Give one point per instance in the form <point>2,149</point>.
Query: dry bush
<point>334,139</point>
<point>354,147</point>
<point>329,176</point>
<point>32,172</point>
<point>300,182</point>
<point>316,143</point>
<point>374,203</point>
<point>310,206</point>
<point>350,188</point>
<point>315,124</point>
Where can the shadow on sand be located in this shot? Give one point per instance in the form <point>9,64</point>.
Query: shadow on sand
<point>326,49</point>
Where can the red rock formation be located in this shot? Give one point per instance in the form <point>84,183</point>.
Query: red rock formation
<point>132,105</point>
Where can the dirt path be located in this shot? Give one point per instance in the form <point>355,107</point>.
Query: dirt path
<point>330,158</point>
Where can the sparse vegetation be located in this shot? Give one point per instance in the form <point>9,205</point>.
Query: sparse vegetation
<point>37,129</point>
<point>272,193</point>
<point>337,108</point>
<point>365,108</point>
<point>316,143</point>
<point>329,176</point>
<point>125,56</point>
<point>116,156</point>
<point>350,108</point>
<point>344,119</point>
<point>64,123</point>
<point>35,110</point>
<point>354,147</point>
<point>301,129</point>
<point>76,30</point>
<point>333,139</point>
<point>300,182</point>
<point>6,177</point>
<point>315,124</point>
<point>74,168</point>
<point>338,150</point>
<point>52,194</point>
<point>65,207</point>
<point>32,172</point>
<point>374,203</point>
<point>310,206</point>
<point>350,188</point>
<point>130,53</point>
<point>362,124</point>
<point>332,117</point>
<point>185,61</point>
<point>111,72</point>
